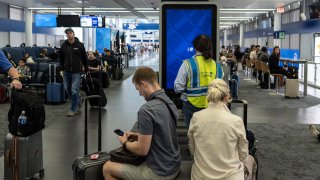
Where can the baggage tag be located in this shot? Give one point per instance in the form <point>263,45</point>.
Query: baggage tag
<point>94,156</point>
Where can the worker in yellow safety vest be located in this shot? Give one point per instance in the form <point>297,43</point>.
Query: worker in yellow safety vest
<point>194,76</point>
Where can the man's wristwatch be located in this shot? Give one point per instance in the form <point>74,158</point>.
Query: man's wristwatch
<point>124,145</point>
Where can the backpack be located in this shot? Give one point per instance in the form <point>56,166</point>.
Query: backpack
<point>32,104</point>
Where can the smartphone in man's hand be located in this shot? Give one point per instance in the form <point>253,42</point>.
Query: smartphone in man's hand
<point>118,132</point>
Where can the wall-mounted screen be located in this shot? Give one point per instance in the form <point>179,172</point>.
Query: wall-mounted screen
<point>279,35</point>
<point>45,20</point>
<point>68,21</point>
<point>314,11</point>
<point>91,21</point>
<point>181,23</point>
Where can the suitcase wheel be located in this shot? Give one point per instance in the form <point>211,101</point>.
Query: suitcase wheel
<point>41,173</point>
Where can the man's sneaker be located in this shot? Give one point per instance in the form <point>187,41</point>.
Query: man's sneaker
<point>70,113</point>
<point>314,130</point>
<point>78,112</point>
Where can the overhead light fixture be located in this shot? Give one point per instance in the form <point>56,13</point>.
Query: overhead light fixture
<point>231,9</point>
<point>85,11</point>
<point>80,2</point>
<point>228,22</point>
<point>143,9</point>
<point>154,11</point>
<point>231,17</point>
<point>241,12</point>
<point>33,8</point>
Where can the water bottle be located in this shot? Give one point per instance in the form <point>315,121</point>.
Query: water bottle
<point>295,56</point>
<point>22,121</point>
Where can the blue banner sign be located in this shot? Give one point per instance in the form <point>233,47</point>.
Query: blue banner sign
<point>292,54</point>
<point>140,26</point>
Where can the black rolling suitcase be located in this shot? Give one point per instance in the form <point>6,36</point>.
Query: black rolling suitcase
<point>250,135</point>
<point>89,167</point>
<point>233,85</point>
<point>92,86</point>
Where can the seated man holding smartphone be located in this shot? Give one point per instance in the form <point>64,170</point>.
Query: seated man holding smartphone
<point>156,137</point>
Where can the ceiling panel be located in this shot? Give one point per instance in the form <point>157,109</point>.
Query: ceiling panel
<point>130,5</point>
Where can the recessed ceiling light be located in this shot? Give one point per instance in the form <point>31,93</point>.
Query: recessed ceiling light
<point>80,2</point>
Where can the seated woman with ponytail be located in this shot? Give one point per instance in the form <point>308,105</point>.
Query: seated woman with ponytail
<point>217,138</point>
<point>194,76</point>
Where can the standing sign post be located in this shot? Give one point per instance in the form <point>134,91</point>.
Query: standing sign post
<point>316,53</point>
<point>180,23</point>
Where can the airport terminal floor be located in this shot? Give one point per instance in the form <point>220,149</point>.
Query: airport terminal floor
<point>286,149</point>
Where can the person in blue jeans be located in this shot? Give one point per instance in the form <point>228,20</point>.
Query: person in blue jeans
<point>73,61</point>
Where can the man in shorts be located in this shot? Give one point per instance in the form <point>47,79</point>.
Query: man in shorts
<point>157,136</point>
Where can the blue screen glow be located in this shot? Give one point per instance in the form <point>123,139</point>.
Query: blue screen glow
<point>182,26</point>
<point>46,20</point>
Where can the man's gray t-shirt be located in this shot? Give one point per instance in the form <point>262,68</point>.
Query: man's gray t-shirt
<point>154,119</point>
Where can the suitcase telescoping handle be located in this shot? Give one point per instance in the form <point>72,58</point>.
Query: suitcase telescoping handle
<point>86,124</point>
<point>245,109</point>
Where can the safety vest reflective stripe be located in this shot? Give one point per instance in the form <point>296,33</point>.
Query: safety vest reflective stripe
<point>194,72</point>
<point>196,91</point>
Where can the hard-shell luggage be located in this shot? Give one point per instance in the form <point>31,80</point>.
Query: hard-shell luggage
<point>23,156</point>
<point>92,86</point>
<point>86,168</point>
<point>292,88</point>
<point>250,135</point>
<point>55,91</point>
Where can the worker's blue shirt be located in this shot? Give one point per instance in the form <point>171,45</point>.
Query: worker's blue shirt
<point>5,65</point>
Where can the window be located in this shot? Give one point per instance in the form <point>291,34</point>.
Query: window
<point>16,13</point>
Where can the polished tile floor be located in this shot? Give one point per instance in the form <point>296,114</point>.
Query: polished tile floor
<point>63,138</point>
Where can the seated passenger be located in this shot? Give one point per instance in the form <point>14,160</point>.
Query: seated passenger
<point>274,62</point>
<point>217,138</point>
<point>94,64</point>
<point>24,71</point>
<point>157,136</point>
<point>44,54</point>
<point>28,58</point>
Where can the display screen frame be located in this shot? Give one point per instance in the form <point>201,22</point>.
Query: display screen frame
<point>68,21</point>
<point>93,25</point>
<point>164,9</point>
<point>51,16</point>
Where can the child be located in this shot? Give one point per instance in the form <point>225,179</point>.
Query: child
<point>24,71</point>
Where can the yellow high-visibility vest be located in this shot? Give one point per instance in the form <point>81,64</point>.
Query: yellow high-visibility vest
<point>200,73</point>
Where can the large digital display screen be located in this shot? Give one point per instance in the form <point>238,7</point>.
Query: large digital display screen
<point>45,20</point>
<point>181,24</point>
<point>68,21</point>
<point>91,21</point>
